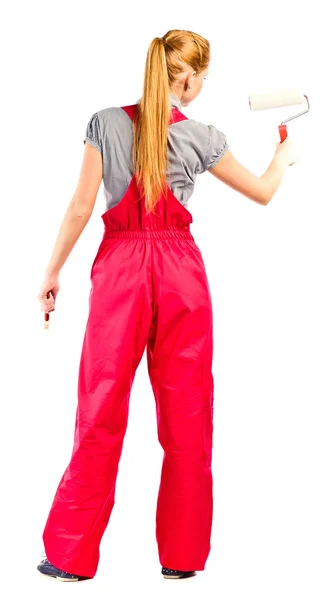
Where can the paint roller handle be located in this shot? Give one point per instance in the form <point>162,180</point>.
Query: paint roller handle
<point>283,132</point>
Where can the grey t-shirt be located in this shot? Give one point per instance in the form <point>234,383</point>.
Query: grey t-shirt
<point>193,148</point>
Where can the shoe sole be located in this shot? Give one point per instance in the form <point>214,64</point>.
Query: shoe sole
<point>60,578</point>
<point>184,576</point>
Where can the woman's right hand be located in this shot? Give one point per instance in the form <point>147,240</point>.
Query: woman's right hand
<point>287,151</point>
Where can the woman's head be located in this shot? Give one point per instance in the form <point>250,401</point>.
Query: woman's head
<point>187,57</point>
<point>176,64</point>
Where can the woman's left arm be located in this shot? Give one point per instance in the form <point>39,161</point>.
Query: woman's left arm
<point>78,211</point>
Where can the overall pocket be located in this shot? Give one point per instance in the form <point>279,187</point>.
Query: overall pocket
<point>97,256</point>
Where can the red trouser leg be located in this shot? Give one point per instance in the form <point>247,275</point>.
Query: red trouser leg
<point>179,357</point>
<point>115,338</point>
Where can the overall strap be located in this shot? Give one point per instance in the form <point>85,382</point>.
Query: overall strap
<point>175,114</point>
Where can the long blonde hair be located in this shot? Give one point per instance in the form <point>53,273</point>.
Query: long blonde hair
<point>166,58</point>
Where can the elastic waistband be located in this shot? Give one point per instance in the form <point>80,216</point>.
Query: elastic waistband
<point>149,233</point>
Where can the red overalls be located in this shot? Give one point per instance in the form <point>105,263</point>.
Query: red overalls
<point>149,289</point>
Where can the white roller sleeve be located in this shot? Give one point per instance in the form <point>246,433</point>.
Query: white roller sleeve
<point>276,99</point>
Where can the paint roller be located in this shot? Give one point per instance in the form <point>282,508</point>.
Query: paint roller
<point>277,99</point>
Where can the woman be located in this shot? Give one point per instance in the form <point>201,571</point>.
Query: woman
<point>149,289</point>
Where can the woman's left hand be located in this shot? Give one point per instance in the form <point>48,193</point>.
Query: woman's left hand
<point>48,293</point>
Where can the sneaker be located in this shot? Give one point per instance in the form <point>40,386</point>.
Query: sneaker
<point>46,568</point>
<point>175,574</point>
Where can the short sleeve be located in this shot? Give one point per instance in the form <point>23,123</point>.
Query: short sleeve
<point>217,147</point>
<point>93,133</point>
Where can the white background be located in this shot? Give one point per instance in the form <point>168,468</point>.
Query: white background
<point>270,272</point>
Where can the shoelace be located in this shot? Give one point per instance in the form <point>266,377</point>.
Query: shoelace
<point>43,554</point>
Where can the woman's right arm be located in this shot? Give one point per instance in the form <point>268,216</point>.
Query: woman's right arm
<point>260,189</point>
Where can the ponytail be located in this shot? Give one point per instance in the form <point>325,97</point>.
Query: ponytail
<point>166,58</point>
